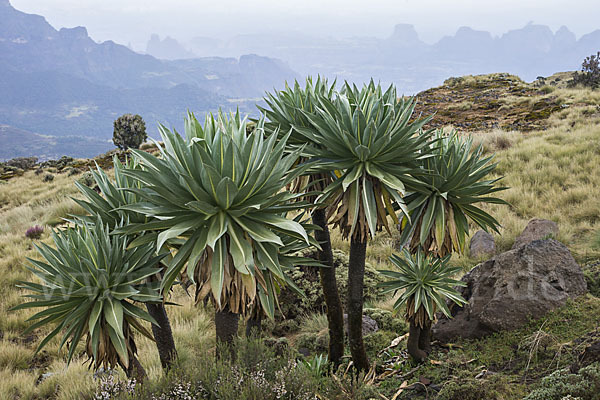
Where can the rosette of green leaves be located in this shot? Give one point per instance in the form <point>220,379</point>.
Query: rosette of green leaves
<point>456,182</point>
<point>287,109</point>
<point>112,195</point>
<point>425,282</point>
<point>110,204</point>
<point>367,138</point>
<point>221,192</point>
<point>89,283</point>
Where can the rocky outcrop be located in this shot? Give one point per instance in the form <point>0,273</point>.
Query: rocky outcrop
<point>167,48</point>
<point>405,35</point>
<point>510,289</point>
<point>482,245</point>
<point>536,229</point>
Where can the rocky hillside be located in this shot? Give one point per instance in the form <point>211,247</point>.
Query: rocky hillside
<point>495,101</point>
<point>63,83</point>
<point>29,44</point>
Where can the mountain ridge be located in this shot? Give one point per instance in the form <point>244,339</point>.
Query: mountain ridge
<point>413,65</point>
<point>63,83</point>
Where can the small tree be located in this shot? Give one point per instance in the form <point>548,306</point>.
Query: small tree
<point>455,180</point>
<point>590,72</point>
<point>110,206</point>
<point>286,110</point>
<point>129,131</point>
<point>220,192</point>
<point>368,142</point>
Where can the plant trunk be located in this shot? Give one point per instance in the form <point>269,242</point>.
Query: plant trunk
<point>163,335</point>
<point>135,370</point>
<point>335,312</point>
<point>226,327</point>
<point>414,340</point>
<point>356,274</point>
<point>253,326</point>
<point>425,338</point>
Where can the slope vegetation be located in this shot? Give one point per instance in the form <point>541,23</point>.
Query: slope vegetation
<point>551,167</point>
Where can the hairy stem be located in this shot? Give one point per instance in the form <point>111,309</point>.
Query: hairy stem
<point>163,335</point>
<point>226,327</point>
<point>335,312</point>
<point>356,274</point>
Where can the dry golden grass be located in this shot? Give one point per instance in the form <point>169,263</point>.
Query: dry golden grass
<point>28,201</point>
<point>554,175</point>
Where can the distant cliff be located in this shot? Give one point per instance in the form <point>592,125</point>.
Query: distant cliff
<point>404,59</point>
<point>62,82</point>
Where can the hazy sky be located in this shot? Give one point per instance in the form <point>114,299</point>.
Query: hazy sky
<point>134,20</point>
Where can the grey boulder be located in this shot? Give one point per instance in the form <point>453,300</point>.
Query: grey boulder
<point>369,325</point>
<point>536,229</point>
<point>510,289</point>
<point>482,245</point>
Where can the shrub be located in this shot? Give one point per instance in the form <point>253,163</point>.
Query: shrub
<point>377,341</point>
<point>547,89</point>
<point>73,171</point>
<point>59,164</point>
<point>257,373</point>
<point>590,72</point>
<point>111,386</point>
<point>35,232</point>
<point>24,163</point>
<point>182,391</point>
<point>312,342</point>
<point>345,385</point>
<point>585,385</point>
<point>280,346</point>
<point>129,131</point>
<point>464,386</point>
<point>87,179</point>
<point>48,178</point>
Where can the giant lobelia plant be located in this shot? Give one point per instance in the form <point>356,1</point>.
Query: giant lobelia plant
<point>107,205</point>
<point>456,181</point>
<point>367,139</point>
<point>424,282</point>
<point>220,192</point>
<point>88,285</point>
<point>286,109</point>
